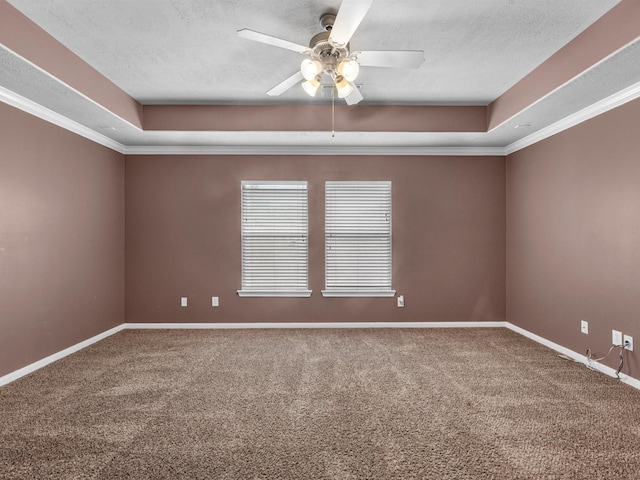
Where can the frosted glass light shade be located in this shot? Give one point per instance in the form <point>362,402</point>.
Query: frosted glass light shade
<point>349,69</point>
<point>310,68</point>
<point>343,86</point>
<point>311,86</point>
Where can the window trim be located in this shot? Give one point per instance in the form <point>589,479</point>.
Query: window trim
<point>244,292</point>
<point>361,291</point>
<point>358,293</point>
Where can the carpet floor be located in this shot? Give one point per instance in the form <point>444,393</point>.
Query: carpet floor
<point>318,404</point>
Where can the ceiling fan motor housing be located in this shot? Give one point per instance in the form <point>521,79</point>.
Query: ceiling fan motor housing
<point>327,54</point>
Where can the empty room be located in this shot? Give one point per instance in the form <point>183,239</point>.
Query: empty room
<point>324,239</point>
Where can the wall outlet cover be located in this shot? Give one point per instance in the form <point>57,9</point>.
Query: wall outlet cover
<point>214,301</point>
<point>183,301</point>
<point>584,327</point>
<point>628,342</point>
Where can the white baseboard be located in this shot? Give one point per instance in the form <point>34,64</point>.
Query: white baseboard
<point>142,326</point>
<point>227,326</point>
<point>574,355</point>
<point>10,377</point>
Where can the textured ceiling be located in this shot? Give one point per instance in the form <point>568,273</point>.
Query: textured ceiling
<point>187,51</point>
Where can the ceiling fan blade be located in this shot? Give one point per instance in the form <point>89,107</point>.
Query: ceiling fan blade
<point>286,85</point>
<point>391,58</point>
<point>354,97</point>
<point>271,40</point>
<point>347,20</point>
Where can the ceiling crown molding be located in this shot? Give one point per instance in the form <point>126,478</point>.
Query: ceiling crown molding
<point>315,150</point>
<point>618,99</point>
<point>613,101</point>
<point>37,110</point>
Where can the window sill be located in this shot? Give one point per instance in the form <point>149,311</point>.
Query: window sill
<point>257,293</point>
<point>358,293</point>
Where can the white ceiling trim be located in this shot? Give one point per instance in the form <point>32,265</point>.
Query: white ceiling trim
<point>37,110</point>
<point>314,150</point>
<point>617,99</point>
<point>573,79</point>
<point>66,85</point>
<point>613,101</point>
<point>246,148</point>
<point>33,108</point>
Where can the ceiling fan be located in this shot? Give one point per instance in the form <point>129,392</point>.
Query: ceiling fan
<point>328,54</point>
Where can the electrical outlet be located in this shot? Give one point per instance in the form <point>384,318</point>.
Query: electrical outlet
<point>183,301</point>
<point>616,338</point>
<point>584,327</point>
<point>401,300</point>
<point>628,342</point>
<point>214,301</point>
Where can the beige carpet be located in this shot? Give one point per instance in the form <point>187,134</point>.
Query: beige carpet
<point>318,404</point>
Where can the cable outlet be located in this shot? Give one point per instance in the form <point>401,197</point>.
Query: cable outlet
<point>628,342</point>
<point>584,327</point>
<point>401,300</point>
<point>616,338</point>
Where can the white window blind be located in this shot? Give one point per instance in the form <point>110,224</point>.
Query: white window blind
<point>358,239</point>
<point>274,239</point>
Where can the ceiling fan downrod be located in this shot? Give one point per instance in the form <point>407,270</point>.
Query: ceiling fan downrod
<point>327,20</point>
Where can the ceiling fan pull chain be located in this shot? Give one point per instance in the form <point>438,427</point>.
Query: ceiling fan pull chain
<point>333,112</point>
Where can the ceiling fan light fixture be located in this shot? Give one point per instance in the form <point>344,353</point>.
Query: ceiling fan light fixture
<point>311,86</point>
<point>349,69</point>
<point>310,68</point>
<point>343,86</point>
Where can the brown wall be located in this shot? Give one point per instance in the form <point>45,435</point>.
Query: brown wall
<point>183,238</point>
<point>61,239</point>
<point>573,234</point>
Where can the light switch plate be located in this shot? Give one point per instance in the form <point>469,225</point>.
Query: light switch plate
<point>616,338</point>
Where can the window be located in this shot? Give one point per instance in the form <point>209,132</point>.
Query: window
<point>358,239</point>
<point>274,239</point>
